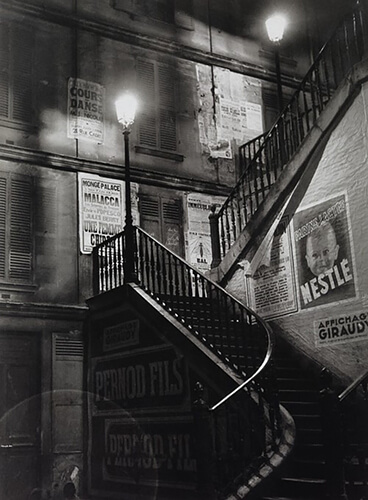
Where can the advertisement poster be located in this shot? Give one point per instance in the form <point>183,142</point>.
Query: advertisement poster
<point>324,253</point>
<point>198,244</point>
<point>230,109</point>
<point>101,209</point>
<point>148,451</point>
<point>85,110</point>
<point>341,329</point>
<point>230,120</point>
<point>253,115</point>
<point>272,289</point>
<point>139,379</point>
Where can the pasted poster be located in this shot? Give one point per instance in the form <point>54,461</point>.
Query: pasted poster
<point>341,329</point>
<point>272,289</point>
<point>143,452</point>
<point>86,110</point>
<point>198,244</point>
<point>100,209</point>
<point>230,109</point>
<point>239,120</point>
<point>324,253</point>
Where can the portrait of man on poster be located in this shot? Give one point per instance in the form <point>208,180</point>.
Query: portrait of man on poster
<point>323,253</point>
<point>321,249</point>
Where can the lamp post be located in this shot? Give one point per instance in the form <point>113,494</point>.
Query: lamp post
<point>275,26</point>
<point>125,111</point>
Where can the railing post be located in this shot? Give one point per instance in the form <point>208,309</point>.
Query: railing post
<point>203,445</point>
<point>333,439</point>
<point>215,238</point>
<point>95,272</point>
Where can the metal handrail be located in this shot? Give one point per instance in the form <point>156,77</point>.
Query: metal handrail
<point>250,379</point>
<point>353,386</point>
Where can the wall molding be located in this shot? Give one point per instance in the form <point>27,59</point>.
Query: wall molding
<point>43,311</point>
<point>140,175</point>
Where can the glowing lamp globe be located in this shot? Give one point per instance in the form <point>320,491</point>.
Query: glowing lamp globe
<point>275,26</point>
<point>126,107</point>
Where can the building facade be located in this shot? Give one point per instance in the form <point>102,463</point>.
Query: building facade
<point>205,81</point>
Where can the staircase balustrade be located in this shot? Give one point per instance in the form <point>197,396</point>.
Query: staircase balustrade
<point>232,332</point>
<point>264,158</point>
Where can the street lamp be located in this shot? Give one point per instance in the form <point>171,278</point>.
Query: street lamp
<point>125,111</point>
<point>275,26</point>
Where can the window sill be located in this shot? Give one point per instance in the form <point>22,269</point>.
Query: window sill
<point>25,127</point>
<point>157,152</point>
<point>18,287</point>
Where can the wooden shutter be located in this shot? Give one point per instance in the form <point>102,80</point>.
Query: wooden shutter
<point>3,212</point>
<point>46,209</point>
<point>161,217</point>
<point>22,55</point>
<point>148,119</point>
<point>149,211</point>
<point>67,395</point>
<point>157,122</point>
<point>46,218</point>
<point>172,225</point>
<point>167,133</point>
<point>4,70</point>
<point>20,258</point>
<point>16,60</point>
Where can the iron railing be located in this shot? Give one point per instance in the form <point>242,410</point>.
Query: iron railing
<point>345,436</point>
<point>236,335</point>
<point>249,150</point>
<point>265,157</point>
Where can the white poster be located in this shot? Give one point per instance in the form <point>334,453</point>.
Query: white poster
<point>86,110</point>
<point>254,117</point>
<point>341,329</point>
<point>198,244</point>
<point>230,120</point>
<point>101,209</point>
<point>272,289</point>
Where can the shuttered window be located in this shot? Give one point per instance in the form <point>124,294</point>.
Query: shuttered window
<point>16,62</point>
<point>163,218</point>
<point>157,120</point>
<point>15,228</point>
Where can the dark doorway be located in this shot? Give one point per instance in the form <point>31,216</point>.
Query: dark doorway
<point>19,415</point>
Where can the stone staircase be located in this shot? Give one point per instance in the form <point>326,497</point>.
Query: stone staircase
<point>303,476</point>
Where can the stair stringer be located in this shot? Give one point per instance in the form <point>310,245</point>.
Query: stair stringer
<point>184,340</point>
<point>295,177</point>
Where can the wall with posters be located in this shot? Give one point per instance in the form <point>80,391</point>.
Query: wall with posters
<point>230,110</point>
<point>311,280</point>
